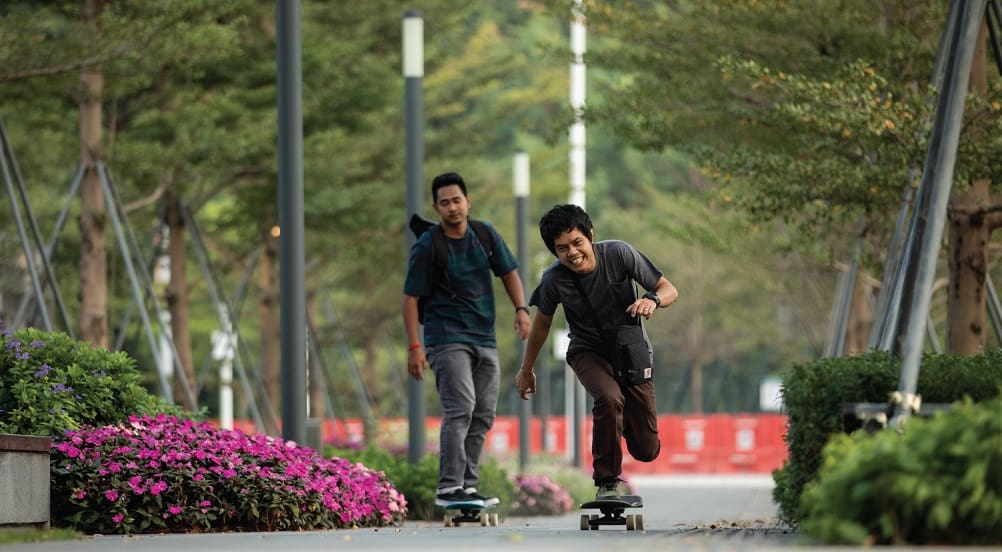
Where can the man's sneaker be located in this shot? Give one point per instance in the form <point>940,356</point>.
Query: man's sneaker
<point>487,500</point>
<point>457,495</point>
<point>610,489</point>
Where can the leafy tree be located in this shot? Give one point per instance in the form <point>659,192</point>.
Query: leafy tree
<point>812,115</point>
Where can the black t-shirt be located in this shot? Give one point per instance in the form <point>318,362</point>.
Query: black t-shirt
<point>610,288</point>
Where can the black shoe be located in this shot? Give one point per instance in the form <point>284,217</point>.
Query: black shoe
<point>613,488</point>
<point>445,499</point>
<point>487,500</point>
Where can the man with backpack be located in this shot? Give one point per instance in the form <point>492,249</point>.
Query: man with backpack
<point>449,289</point>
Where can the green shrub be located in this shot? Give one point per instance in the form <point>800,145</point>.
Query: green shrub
<point>419,482</point>
<point>814,394</point>
<point>938,482</point>
<point>50,383</point>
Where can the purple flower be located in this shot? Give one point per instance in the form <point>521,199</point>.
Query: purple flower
<point>43,371</point>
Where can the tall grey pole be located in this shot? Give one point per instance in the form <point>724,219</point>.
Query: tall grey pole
<point>521,183</point>
<point>938,171</point>
<point>290,220</point>
<point>413,54</point>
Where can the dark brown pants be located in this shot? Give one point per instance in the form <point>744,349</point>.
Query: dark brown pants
<point>620,411</point>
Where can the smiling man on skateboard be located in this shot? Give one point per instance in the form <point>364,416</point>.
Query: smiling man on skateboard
<point>595,283</point>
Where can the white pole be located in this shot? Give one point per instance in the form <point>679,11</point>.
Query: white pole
<point>574,392</point>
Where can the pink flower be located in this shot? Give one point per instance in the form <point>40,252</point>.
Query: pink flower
<point>111,494</point>
<point>117,518</point>
<point>175,510</point>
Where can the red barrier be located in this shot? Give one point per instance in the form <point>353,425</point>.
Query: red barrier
<point>717,443</point>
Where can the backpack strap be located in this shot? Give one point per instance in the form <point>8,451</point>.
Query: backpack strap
<point>486,240</point>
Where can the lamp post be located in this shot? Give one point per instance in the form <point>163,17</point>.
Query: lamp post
<point>520,171</point>
<point>413,57</point>
<point>290,219</point>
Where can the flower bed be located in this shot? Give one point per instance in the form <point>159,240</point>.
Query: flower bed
<point>165,474</point>
<point>538,495</point>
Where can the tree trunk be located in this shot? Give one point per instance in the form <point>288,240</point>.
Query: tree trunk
<point>268,310</point>
<point>860,317</point>
<point>968,260</point>
<point>177,301</point>
<point>968,254</point>
<point>93,263</point>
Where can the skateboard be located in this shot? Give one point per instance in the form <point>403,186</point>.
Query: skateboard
<point>612,509</point>
<point>470,512</point>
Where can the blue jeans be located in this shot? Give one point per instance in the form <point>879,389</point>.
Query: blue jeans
<point>467,378</point>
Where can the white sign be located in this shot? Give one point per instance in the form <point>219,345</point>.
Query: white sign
<point>769,399</point>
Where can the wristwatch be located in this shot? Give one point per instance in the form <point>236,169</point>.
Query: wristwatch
<point>526,309</point>
<point>653,297</point>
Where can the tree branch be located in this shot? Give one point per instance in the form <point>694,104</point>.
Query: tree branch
<point>152,198</point>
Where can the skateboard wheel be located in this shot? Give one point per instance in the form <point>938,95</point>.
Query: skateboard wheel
<point>639,521</point>
<point>585,522</point>
<point>485,519</point>
<point>495,519</point>
<point>448,520</point>
<point>631,522</point>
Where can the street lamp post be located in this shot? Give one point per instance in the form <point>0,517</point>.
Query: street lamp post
<point>413,56</point>
<point>521,183</point>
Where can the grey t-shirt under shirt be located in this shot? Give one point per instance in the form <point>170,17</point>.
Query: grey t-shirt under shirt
<point>610,289</point>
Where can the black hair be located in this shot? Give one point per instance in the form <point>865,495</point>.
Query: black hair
<point>563,218</point>
<point>447,179</point>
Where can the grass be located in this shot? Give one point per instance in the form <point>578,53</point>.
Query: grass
<point>28,534</point>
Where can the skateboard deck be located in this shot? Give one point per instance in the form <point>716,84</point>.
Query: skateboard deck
<point>612,513</point>
<point>458,513</point>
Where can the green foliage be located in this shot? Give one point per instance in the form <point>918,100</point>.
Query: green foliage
<point>814,394</point>
<point>418,483</point>
<point>938,482</point>
<point>17,536</point>
<point>50,383</point>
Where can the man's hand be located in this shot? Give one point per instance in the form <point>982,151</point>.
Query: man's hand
<point>522,324</point>
<point>525,382</point>
<point>417,363</point>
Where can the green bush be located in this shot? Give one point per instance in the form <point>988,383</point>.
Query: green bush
<point>814,394</point>
<point>50,383</point>
<point>938,482</point>
<point>418,483</point>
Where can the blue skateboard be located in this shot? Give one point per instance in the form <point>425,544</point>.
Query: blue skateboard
<point>458,513</point>
<point>612,509</point>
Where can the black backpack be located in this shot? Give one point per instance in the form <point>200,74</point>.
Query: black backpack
<point>440,251</point>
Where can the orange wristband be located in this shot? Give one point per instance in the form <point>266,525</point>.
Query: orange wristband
<point>414,347</point>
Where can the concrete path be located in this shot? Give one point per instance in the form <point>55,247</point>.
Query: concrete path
<point>680,513</point>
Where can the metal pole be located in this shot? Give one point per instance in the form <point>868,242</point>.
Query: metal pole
<point>413,57</point>
<point>147,282</point>
<point>521,182</point>
<point>36,233</point>
<point>29,257</point>
<point>50,249</point>
<point>290,219</point>
<point>227,318</point>
<point>133,278</point>
<point>938,171</point>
